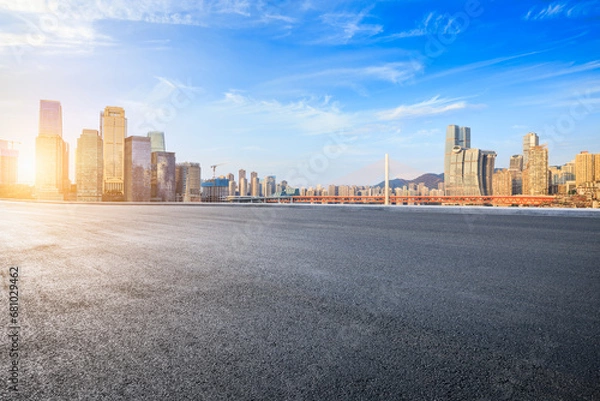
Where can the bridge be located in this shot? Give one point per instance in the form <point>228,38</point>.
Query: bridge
<point>421,200</point>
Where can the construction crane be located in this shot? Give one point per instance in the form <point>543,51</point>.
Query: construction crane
<point>214,169</point>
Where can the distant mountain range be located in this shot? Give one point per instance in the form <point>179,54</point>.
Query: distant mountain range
<point>431,181</point>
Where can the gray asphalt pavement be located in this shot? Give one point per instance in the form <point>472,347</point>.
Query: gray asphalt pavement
<point>155,302</point>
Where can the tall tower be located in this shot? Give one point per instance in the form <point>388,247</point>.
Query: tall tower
<point>113,128</point>
<point>516,173</point>
<point>88,167</point>
<point>455,136</point>
<point>52,163</point>
<point>530,140</point>
<point>254,184</point>
<point>138,169</point>
<point>584,168</point>
<point>536,176</point>
<point>243,183</point>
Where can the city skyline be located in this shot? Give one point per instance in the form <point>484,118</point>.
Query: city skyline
<point>273,89</point>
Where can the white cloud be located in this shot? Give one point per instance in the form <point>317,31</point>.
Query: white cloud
<point>564,9</point>
<point>435,105</point>
<point>347,26</point>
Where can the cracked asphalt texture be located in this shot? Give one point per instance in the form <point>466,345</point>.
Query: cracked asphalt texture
<point>157,302</point>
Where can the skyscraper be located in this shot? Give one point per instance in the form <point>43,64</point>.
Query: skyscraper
<point>157,141</point>
<point>471,172</point>
<point>254,184</point>
<point>455,136</point>
<point>188,176</point>
<point>243,183</point>
<point>269,185</point>
<point>516,172</point>
<point>138,169</point>
<point>584,168</point>
<point>163,182</point>
<point>536,178</point>
<point>8,164</point>
<point>52,162</point>
<point>530,140</point>
<point>113,128</point>
<point>88,168</point>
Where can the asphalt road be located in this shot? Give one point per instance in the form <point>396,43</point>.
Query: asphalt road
<point>123,302</point>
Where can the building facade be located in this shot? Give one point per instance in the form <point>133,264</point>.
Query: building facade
<point>163,184</point>
<point>536,177</point>
<point>157,141</point>
<point>188,180</point>
<point>502,183</point>
<point>88,166</point>
<point>530,140</point>
<point>471,172</point>
<point>584,168</point>
<point>138,169</point>
<point>113,129</point>
<point>8,164</point>
<point>52,154</point>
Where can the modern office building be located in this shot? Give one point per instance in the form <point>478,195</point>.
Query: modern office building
<point>516,171</point>
<point>188,179</point>
<point>269,186</point>
<point>584,168</point>
<point>138,169</point>
<point>254,184</point>
<point>88,166</point>
<point>8,163</point>
<point>536,177</point>
<point>163,184</point>
<point>455,136</point>
<point>52,154</point>
<point>157,141</point>
<point>470,172</point>
<point>530,140</point>
<point>113,129</point>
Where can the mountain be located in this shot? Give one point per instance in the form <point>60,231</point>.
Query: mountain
<point>431,181</point>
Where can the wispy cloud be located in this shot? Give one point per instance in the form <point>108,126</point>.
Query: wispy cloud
<point>433,106</point>
<point>396,73</point>
<point>431,24</point>
<point>347,26</point>
<point>563,9</point>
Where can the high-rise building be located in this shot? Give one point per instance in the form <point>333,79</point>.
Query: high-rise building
<point>113,129</point>
<point>163,184</point>
<point>503,184</point>
<point>243,183</point>
<point>536,178</point>
<point>188,177</point>
<point>530,140</point>
<point>157,141</point>
<point>516,172</point>
<point>8,163</point>
<point>138,169</point>
<point>88,166</point>
<point>470,172</point>
<point>254,184</point>
<point>52,153</point>
<point>597,167</point>
<point>455,136</point>
<point>584,168</point>
<point>269,185</point>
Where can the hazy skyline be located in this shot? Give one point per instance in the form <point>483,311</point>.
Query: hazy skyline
<point>270,88</point>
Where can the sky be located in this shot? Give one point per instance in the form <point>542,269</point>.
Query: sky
<point>314,92</point>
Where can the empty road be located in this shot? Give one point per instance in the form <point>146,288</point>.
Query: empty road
<point>240,302</point>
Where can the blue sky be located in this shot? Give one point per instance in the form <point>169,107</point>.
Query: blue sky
<point>312,92</point>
